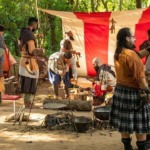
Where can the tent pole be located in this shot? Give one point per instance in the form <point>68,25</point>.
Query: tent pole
<point>39,24</point>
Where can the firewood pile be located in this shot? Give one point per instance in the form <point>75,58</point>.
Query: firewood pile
<point>58,121</point>
<point>68,121</point>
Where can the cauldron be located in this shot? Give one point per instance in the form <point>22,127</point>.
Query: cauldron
<point>81,124</point>
<point>102,112</point>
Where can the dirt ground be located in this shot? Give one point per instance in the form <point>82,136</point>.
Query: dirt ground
<point>32,136</point>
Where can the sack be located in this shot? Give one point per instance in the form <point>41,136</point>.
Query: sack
<point>43,66</point>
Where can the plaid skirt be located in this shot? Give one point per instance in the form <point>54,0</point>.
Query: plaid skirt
<point>124,117</point>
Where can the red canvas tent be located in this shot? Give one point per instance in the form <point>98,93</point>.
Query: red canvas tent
<point>93,37</point>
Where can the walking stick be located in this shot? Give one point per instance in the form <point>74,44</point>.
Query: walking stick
<point>33,99</point>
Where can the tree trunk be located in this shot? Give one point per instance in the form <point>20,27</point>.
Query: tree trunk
<point>17,50</point>
<point>120,5</point>
<point>105,4</point>
<point>138,3</point>
<point>76,5</point>
<point>92,5</point>
<point>52,30</point>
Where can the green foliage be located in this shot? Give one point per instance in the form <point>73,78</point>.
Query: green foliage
<point>14,15</point>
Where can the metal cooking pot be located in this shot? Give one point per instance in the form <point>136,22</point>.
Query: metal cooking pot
<point>102,112</point>
<point>81,124</point>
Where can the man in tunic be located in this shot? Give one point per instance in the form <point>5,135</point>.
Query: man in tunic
<point>144,45</point>
<point>58,69</point>
<point>28,67</point>
<point>104,72</point>
<point>67,45</point>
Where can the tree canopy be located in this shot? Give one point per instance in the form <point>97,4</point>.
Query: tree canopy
<point>14,15</point>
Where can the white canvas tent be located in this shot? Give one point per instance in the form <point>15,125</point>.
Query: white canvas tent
<point>93,37</point>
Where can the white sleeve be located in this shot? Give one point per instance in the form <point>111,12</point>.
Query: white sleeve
<point>111,80</point>
<point>62,44</point>
<point>74,68</point>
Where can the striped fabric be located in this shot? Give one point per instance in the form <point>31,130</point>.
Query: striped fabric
<point>123,116</point>
<point>93,37</point>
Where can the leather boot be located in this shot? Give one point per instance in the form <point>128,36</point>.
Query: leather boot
<point>148,140</point>
<point>142,145</point>
<point>67,91</point>
<point>127,143</point>
<point>56,86</point>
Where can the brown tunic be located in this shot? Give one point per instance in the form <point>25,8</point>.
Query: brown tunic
<point>129,69</point>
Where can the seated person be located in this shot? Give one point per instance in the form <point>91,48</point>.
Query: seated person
<point>105,81</point>
<point>104,73</point>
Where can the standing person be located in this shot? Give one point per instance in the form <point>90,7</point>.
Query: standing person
<point>145,44</point>
<point>105,80</point>
<point>65,45</point>
<point>130,111</point>
<point>58,69</point>
<point>2,49</point>
<point>28,67</point>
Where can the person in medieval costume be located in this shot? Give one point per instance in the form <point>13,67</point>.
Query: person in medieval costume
<point>9,64</point>
<point>2,49</point>
<point>58,69</point>
<point>144,45</point>
<point>104,72</point>
<point>65,45</point>
<point>28,67</point>
<point>104,82</point>
<point>130,111</point>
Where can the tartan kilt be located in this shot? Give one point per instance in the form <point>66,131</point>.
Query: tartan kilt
<point>124,117</point>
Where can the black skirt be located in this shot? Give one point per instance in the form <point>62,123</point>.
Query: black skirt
<point>28,85</point>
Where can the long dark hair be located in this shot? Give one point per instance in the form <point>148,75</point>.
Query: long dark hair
<point>122,42</point>
<point>67,45</point>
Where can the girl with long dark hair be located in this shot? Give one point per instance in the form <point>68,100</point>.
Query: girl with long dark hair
<point>130,112</point>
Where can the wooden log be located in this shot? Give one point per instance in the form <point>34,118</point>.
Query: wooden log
<point>78,105</point>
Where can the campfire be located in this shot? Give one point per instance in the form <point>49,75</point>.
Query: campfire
<point>67,121</point>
